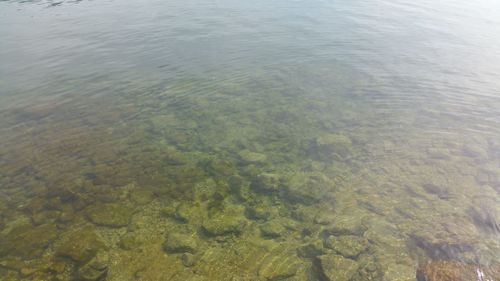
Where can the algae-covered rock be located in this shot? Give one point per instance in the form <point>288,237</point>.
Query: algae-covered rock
<point>445,236</point>
<point>96,269</point>
<point>222,224</point>
<point>308,188</point>
<point>279,266</point>
<point>257,213</point>
<point>400,272</point>
<point>129,241</point>
<point>272,229</point>
<point>184,212</point>
<point>188,259</point>
<point>180,243</point>
<point>26,241</point>
<point>80,245</point>
<point>348,246</point>
<point>337,268</point>
<point>347,225</point>
<point>110,214</point>
<point>249,157</point>
<point>266,183</point>
<point>141,196</point>
<point>336,146</point>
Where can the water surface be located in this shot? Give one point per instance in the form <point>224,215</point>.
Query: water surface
<point>248,140</point>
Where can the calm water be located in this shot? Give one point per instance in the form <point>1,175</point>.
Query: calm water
<point>249,140</point>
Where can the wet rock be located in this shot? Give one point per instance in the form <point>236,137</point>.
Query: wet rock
<point>440,270</point>
<point>46,217</point>
<point>96,269</point>
<point>279,267</point>
<point>399,272</point>
<point>308,188</point>
<point>188,259</point>
<point>440,191</point>
<point>444,237</point>
<point>368,270</point>
<point>129,241</point>
<point>272,229</point>
<point>110,214</point>
<point>266,183</point>
<point>486,214</point>
<point>337,268</point>
<point>80,245</point>
<point>26,241</point>
<point>336,146</point>
<point>249,157</point>
<point>219,167</point>
<point>183,212</point>
<point>348,246</point>
<point>222,224</point>
<point>141,196</point>
<point>258,213</point>
<point>180,243</point>
<point>312,249</point>
<point>347,225</point>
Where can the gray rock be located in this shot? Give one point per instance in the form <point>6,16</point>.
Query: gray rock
<point>337,268</point>
<point>180,243</point>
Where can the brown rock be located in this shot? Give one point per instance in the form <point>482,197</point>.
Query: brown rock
<point>441,270</point>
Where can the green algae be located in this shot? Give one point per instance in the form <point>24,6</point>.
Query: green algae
<point>221,186</point>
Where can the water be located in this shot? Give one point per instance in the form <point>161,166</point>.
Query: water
<point>254,140</point>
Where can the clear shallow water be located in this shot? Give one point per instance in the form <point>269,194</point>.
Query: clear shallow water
<point>222,140</point>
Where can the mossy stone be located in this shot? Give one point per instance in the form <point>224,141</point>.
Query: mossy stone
<point>110,214</point>
<point>26,241</point>
<point>266,183</point>
<point>180,243</point>
<point>222,224</point>
<point>80,245</point>
<point>348,246</point>
<point>96,269</point>
<point>337,268</point>
<point>249,157</point>
<point>272,229</point>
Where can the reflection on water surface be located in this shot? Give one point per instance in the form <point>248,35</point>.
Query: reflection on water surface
<point>320,140</point>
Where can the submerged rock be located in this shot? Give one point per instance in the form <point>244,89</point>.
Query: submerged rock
<point>26,241</point>
<point>347,225</point>
<point>249,157</point>
<point>348,246</point>
<point>80,245</point>
<point>272,229</point>
<point>180,243</point>
<point>266,183</point>
<point>96,269</point>
<point>279,266</point>
<point>308,188</point>
<point>337,268</point>
<point>335,146</point>
<point>110,214</point>
<point>441,270</point>
<point>222,224</point>
<point>258,213</point>
<point>188,259</point>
